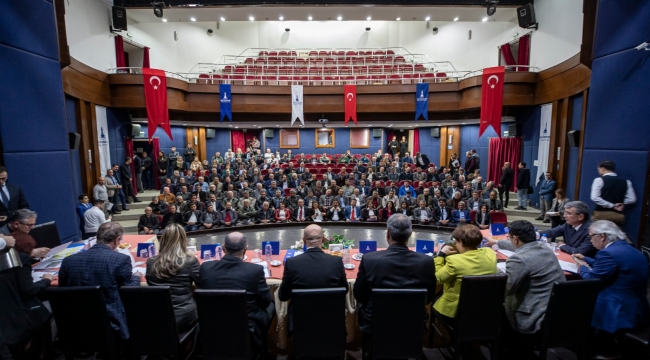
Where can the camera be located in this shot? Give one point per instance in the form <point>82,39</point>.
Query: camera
<point>323,121</point>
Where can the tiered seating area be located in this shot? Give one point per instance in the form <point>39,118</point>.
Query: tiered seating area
<point>334,67</point>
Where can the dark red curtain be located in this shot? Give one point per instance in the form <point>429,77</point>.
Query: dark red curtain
<point>129,154</point>
<point>145,59</point>
<point>503,150</point>
<point>238,141</point>
<point>523,58</point>
<point>507,54</point>
<point>120,60</point>
<point>416,141</point>
<point>154,159</point>
<point>249,136</point>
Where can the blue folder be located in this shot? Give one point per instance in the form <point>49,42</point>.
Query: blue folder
<point>275,247</point>
<point>424,246</point>
<point>497,229</point>
<point>211,247</point>
<point>367,246</point>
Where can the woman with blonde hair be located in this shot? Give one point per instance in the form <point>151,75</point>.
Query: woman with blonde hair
<point>178,269</point>
<point>196,165</point>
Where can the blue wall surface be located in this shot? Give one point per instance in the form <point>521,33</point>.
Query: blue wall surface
<point>575,123</point>
<point>33,124</point>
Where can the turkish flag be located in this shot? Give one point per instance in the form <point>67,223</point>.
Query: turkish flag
<point>350,93</point>
<point>155,98</point>
<point>492,99</point>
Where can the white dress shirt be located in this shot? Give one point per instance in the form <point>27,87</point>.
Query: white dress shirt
<point>597,187</point>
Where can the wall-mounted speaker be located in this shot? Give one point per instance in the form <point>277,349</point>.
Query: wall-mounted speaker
<point>435,132</point>
<point>268,133</point>
<point>210,133</point>
<point>513,129</point>
<point>73,139</point>
<point>134,130</point>
<point>574,138</point>
<point>119,18</point>
<point>376,133</point>
<point>526,16</point>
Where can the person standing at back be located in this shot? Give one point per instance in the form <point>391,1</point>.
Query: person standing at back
<point>189,155</point>
<point>127,180</point>
<point>523,183</point>
<point>137,166</point>
<point>546,194</point>
<point>610,193</point>
<point>507,176</point>
<point>12,197</point>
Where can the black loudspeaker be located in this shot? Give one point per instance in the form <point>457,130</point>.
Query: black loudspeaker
<point>574,138</point>
<point>435,132</point>
<point>513,130</point>
<point>376,133</point>
<point>135,130</point>
<point>209,133</point>
<point>73,139</point>
<point>526,16</point>
<point>268,133</point>
<point>119,18</point>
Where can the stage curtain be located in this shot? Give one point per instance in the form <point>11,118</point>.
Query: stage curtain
<point>523,57</point>
<point>129,153</point>
<point>154,160</point>
<point>507,54</point>
<point>238,141</point>
<point>145,59</point>
<point>416,142</point>
<point>503,150</point>
<point>120,60</point>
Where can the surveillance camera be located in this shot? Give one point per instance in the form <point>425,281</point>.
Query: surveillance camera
<point>287,29</point>
<point>435,30</point>
<point>367,29</point>
<point>158,8</point>
<point>323,121</point>
<point>210,31</point>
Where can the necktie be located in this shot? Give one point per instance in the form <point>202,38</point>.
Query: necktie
<point>353,211</point>
<point>300,214</point>
<point>5,199</point>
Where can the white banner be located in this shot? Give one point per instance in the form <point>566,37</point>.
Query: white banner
<point>296,104</point>
<point>102,139</point>
<point>544,140</point>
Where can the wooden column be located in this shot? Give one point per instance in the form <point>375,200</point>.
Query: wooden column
<point>562,165</point>
<point>88,145</point>
<point>552,147</point>
<point>445,150</point>
<point>202,149</point>
<point>581,147</point>
<point>199,146</point>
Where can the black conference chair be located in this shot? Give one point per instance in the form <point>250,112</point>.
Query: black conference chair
<point>397,323</point>
<point>478,316</point>
<point>569,326</point>
<point>636,344</point>
<point>317,312</point>
<point>46,235</point>
<point>82,321</point>
<point>223,320</point>
<point>152,323</point>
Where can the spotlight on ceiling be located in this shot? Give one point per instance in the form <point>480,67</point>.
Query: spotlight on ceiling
<point>251,18</point>
<point>491,6</point>
<point>339,18</point>
<point>456,19</point>
<point>223,18</point>
<point>281,18</point>
<point>310,18</point>
<point>427,18</point>
<point>164,20</point>
<point>398,19</point>
<point>369,18</point>
<point>193,19</point>
<point>485,19</point>
<point>158,9</point>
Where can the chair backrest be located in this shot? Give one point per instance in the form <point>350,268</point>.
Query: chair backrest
<point>569,325</point>
<point>472,215</point>
<point>46,235</point>
<point>398,322</point>
<point>317,312</point>
<point>498,217</point>
<point>82,319</point>
<point>152,323</point>
<point>477,294</point>
<point>223,319</point>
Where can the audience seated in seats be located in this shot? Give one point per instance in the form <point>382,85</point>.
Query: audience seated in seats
<point>575,232</point>
<point>317,213</point>
<point>423,214</point>
<point>387,211</point>
<point>301,213</point>
<point>158,207</point>
<point>370,213</point>
<point>353,211</point>
<point>166,195</point>
<point>443,214</point>
<point>282,214</point>
<point>265,215</point>
<point>172,217</point>
<point>394,268</point>
<point>149,223</point>
<point>102,265</point>
<point>461,216</point>
<point>232,273</point>
<point>405,210</point>
<point>335,212</point>
<point>482,219</point>
<point>475,202</point>
<point>209,218</point>
<point>246,212</point>
<point>175,267</point>
<point>191,218</point>
<point>228,216</point>
<point>622,302</point>
<point>493,203</point>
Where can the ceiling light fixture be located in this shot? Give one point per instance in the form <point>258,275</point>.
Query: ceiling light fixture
<point>281,18</point>
<point>251,18</point>
<point>427,18</point>
<point>193,19</point>
<point>456,18</point>
<point>369,18</point>
<point>310,18</point>
<point>164,20</point>
<point>398,19</point>
<point>485,19</point>
<point>223,18</point>
<point>339,18</point>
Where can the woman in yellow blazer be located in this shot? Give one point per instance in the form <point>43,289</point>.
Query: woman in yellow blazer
<point>466,260</point>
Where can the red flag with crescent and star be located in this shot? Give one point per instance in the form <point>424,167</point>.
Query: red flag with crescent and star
<point>492,99</point>
<point>155,98</point>
<point>350,92</point>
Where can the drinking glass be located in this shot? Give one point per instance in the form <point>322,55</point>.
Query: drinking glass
<point>144,253</point>
<point>207,255</point>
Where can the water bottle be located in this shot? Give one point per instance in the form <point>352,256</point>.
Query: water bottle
<point>268,250</point>
<point>152,250</point>
<point>346,255</point>
<point>441,243</point>
<point>483,243</point>
<point>543,239</point>
<point>218,252</point>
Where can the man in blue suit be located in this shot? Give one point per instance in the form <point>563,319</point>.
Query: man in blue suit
<point>546,194</point>
<point>622,302</point>
<point>352,212</point>
<point>461,216</point>
<point>84,205</point>
<point>102,265</point>
<point>575,232</point>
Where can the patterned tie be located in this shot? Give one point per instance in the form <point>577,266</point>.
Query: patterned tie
<point>300,214</point>
<point>5,199</point>
<point>352,215</point>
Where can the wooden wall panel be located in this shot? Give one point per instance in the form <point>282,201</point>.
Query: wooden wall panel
<point>445,150</point>
<point>88,145</point>
<point>83,82</point>
<point>583,124</point>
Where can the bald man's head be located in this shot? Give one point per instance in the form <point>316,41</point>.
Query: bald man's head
<point>235,244</point>
<point>313,236</point>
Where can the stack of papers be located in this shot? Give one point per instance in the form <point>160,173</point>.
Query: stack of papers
<point>501,267</point>
<point>507,253</point>
<point>568,266</point>
<point>38,275</point>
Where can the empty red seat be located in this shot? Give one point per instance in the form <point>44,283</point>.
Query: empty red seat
<point>227,69</point>
<point>316,80</point>
<point>204,79</point>
<point>248,61</point>
<point>395,79</point>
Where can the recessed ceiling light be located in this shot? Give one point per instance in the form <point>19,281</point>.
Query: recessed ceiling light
<point>427,18</point>
<point>485,19</point>
<point>456,18</point>
<point>277,125</point>
<point>369,18</point>
<point>281,18</point>
<point>229,125</point>
<point>251,18</point>
<point>193,19</point>
<point>398,19</point>
<point>223,18</point>
<point>310,18</point>
<point>184,124</point>
<point>462,123</point>
<point>236,127</point>
<point>339,18</point>
<point>164,20</point>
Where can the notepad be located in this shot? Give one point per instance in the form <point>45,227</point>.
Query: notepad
<point>507,253</point>
<point>568,266</point>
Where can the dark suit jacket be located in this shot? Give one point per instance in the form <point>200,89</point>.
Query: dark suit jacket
<point>479,218</point>
<point>102,266</point>
<point>21,310</point>
<point>523,179</point>
<point>231,273</point>
<point>307,213</point>
<point>125,172</point>
<point>576,242</point>
<point>330,214</point>
<point>394,268</point>
<point>507,176</point>
<point>312,270</point>
<point>17,201</point>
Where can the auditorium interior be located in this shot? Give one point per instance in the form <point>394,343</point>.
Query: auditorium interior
<point>314,79</point>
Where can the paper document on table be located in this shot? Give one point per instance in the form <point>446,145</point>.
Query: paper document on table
<point>263,264</point>
<point>141,270</point>
<point>67,252</point>
<point>57,249</point>
<point>568,266</point>
<point>47,263</point>
<point>501,267</point>
<point>507,253</point>
<point>38,275</point>
<point>552,213</point>
<point>127,253</point>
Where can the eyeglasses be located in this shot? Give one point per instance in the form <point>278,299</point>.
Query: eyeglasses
<point>29,225</point>
<point>592,235</point>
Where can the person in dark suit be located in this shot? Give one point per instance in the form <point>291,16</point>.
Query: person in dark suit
<point>622,303</point>
<point>102,265</point>
<point>172,217</point>
<point>312,270</point>
<point>546,194</point>
<point>523,183</point>
<point>231,272</point>
<point>301,212</point>
<point>127,180</point>
<point>505,183</point>
<point>12,197</point>
<point>575,231</point>
<point>179,273</point>
<point>394,268</point>
<point>482,219</point>
<point>442,214</point>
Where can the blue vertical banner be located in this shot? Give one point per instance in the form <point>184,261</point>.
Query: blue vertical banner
<point>225,99</point>
<point>422,101</point>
